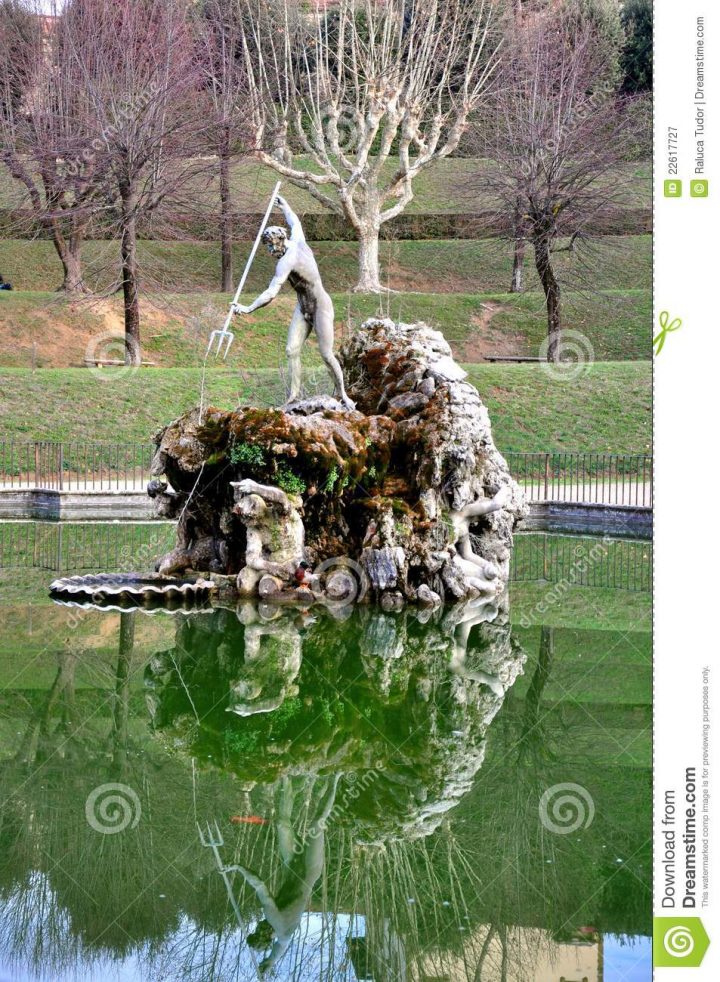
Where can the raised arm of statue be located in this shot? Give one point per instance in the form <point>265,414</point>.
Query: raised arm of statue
<point>267,492</point>
<point>267,900</point>
<point>484,506</point>
<point>296,230</point>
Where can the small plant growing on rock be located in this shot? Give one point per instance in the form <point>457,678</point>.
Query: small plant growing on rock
<point>248,455</point>
<point>331,480</point>
<point>290,482</point>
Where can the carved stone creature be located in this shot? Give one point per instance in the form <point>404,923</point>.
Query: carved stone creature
<point>275,536</point>
<point>480,575</point>
<point>196,550</point>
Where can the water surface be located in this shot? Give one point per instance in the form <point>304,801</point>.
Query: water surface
<point>339,794</point>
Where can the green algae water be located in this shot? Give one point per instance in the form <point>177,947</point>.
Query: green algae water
<point>331,794</point>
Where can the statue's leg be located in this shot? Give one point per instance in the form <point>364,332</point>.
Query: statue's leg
<point>297,336</point>
<point>466,551</point>
<point>325,332</point>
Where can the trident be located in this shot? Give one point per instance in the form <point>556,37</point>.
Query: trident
<point>226,336</point>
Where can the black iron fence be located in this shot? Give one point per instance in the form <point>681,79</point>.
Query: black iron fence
<point>590,561</point>
<point>591,478</point>
<point>74,466</point>
<point>79,546</point>
<point>587,478</point>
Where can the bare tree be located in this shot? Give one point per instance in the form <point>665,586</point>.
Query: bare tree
<point>559,137</point>
<point>137,62</point>
<point>44,123</point>
<point>223,71</point>
<point>373,94</point>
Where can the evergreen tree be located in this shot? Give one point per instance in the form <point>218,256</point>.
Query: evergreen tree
<point>636,57</point>
<point>603,17</point>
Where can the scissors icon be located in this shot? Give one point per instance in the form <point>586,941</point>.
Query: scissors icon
<point>666,327</point>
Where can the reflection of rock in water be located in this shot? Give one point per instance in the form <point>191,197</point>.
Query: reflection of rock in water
<point>401,715</point>
<point>352,761</point>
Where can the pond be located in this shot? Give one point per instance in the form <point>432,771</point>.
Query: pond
<point>329,794</point>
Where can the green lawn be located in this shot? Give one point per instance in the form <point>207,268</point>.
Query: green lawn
<point>580,607</point>
<point>445,187</point>
<point>607,409</point>
<point>431,266</point>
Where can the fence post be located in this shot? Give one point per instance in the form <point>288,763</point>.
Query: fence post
<point>547,474</point>
<point>61,464</point>
<point>37,464</point>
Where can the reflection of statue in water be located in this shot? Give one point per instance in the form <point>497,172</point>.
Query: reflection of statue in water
<point>302,866</point>
<point>269,670</point>
<point>478,611</point>
<point>314,310</point>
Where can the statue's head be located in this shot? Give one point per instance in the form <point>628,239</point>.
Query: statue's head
<point>262,937</point>
<point>275,238</point>
<point>251,508</point>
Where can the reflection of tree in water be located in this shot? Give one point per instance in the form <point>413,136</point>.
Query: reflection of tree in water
<point>71,894</point>
<point>581,885</point>
<point>334,805</point>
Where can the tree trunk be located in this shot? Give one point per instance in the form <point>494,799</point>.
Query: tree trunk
<point>121,709</point>
<point>551,288</point>
<point>369,259</point>
<point>518,261</point>
<point>68,251</point>
<point>519,251</point>
<point>128,253</point>
<point>226,265</point>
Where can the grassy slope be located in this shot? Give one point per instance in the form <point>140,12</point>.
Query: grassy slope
<point>607,409</point>
<point>442,188</point>
<point>441,266</point>
<point>617,324</point>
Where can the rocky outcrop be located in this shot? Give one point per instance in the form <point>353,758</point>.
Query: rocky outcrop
<point>409,488</point>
